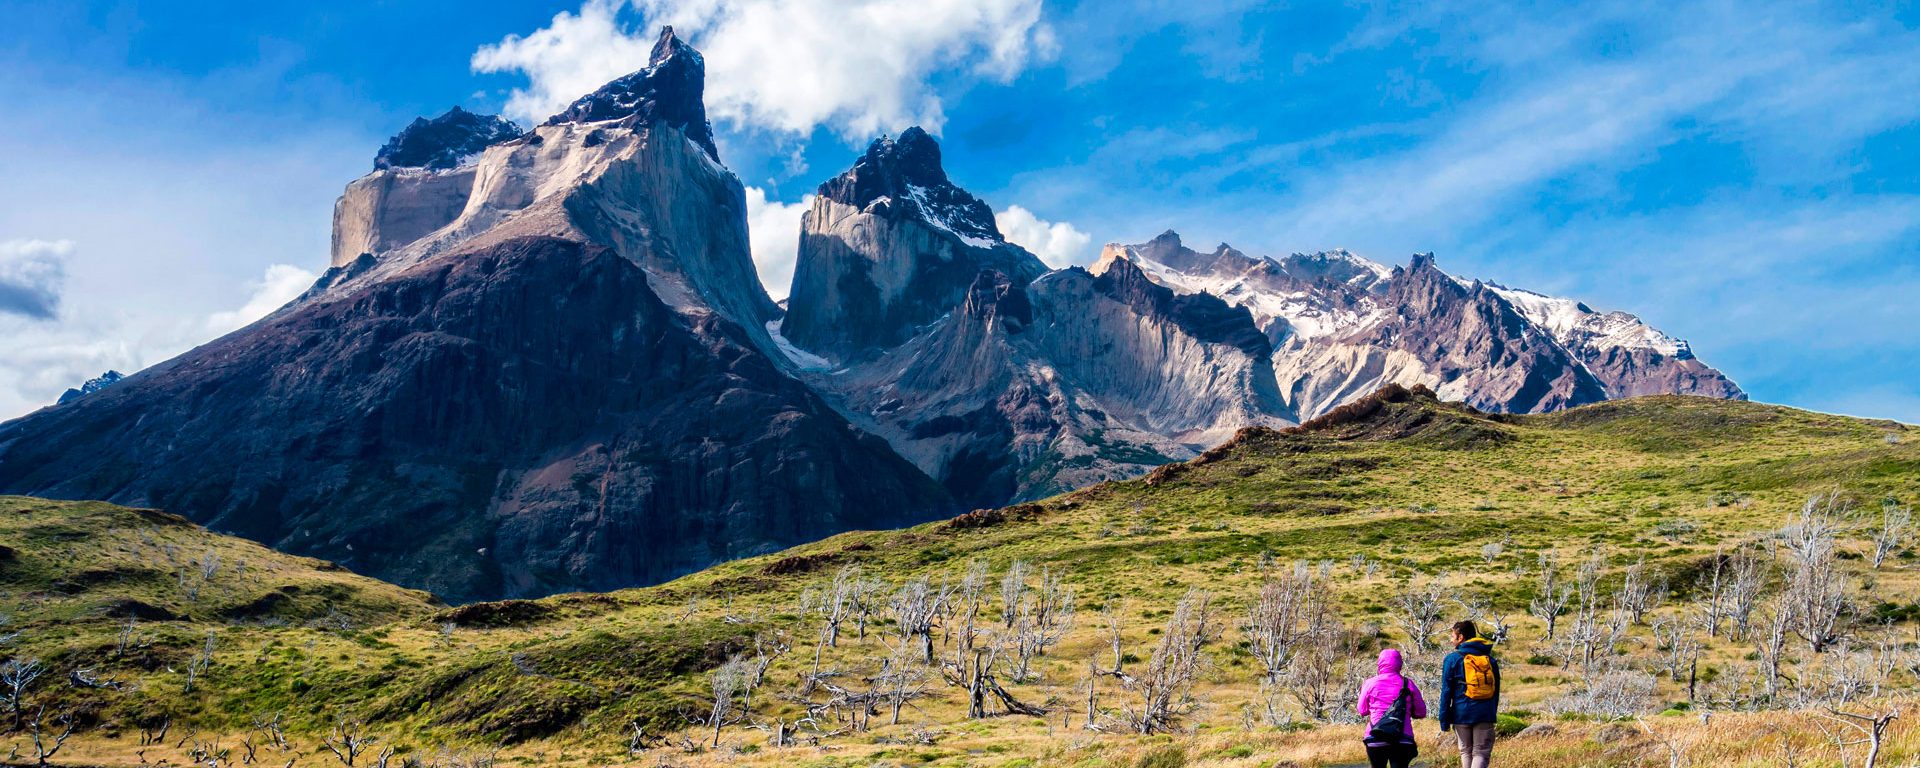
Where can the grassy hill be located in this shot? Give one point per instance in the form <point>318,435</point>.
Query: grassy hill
<point>1384,499</point>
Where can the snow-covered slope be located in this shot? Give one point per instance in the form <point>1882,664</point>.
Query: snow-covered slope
<point>1340,329</point>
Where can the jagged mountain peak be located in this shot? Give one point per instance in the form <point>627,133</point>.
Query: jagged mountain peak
<point>670,90</point>
<point>92,385</point>
<point>904,177</point>
<point>443,142</point>
<point>1205,316</point>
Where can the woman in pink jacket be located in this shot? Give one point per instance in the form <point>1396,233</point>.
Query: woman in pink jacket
<point>1376,699</point>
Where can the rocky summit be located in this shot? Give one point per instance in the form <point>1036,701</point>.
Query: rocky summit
<point>542,361</point>
<point>443,142</point>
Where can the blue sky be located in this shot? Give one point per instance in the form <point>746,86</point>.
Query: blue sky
<point>1746,176</point>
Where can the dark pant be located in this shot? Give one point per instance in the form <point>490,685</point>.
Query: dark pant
<point>1392,755</point>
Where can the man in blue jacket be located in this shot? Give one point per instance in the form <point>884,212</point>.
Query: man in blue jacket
<point>1470,694</point>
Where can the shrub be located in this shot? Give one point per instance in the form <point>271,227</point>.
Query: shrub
<point>1508,725</point>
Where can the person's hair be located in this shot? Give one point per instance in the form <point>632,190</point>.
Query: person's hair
<point>1466,628</point>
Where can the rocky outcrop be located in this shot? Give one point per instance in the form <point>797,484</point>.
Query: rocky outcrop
<point>887,248</point>
<point>91,386</point>
<point>670,91</point>
<point>443,142</point>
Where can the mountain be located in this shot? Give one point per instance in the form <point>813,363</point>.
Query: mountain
<point>888,247</point>
<point>92,385</point>
<point>1343,326</point>
<point>998,378</point>
<point>537,371</point>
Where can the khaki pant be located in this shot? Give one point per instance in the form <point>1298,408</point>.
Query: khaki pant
<point>1476,744</point>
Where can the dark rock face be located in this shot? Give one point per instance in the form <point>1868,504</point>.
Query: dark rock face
<point>91,386</point>
<point>1201,315</point>
<point>890,246</point>
<point>440,143</point>
<point>1637,372</point>
<point>1473,338</point>
<point>670,91</point>
<point>907,172</point>
<point>521,420</point>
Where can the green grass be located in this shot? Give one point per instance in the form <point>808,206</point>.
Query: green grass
<point>1415,487</point>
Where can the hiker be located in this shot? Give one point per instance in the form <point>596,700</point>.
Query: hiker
<point>1470,694</point>
<point>1388,705</point>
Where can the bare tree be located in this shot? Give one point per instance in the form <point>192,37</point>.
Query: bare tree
<point>1639,593</point>
<point>1711,585</point>
<point>1678,646</point>
<point>1315,674</point>
<point>1816,589</point>
<point>1598,624</point>
<point>729,683</point>
<point>969,599</point>
<point>1552,596</point>
<point>197,666</point>
<point>1044,617</point>
<point>128,638</point>
<point>1896,524</point>
<point>1165,687</point>
<point>1870,730</point>
<point>1013,588</point>
<point>1491,551</point>
<point>834,603</point>
<point>270,727</point>
<point>1287,610</point>
<point>1110,615</point>
<point>1492,620</point>
<point>901,680</point>
<point>916,607</point>
<point>18,675</point>
<point>1747,579</point>
<point>1418,605</point>
<point>348,740</point>
<point>979,676</point>
<point>1777,621</point>
<point>869,599</point>
<point>43,748</point>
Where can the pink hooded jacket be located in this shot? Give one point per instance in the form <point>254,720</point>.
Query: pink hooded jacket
<point>1377,695</point>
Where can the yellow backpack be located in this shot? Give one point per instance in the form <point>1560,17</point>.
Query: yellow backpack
<point>1481,684</point>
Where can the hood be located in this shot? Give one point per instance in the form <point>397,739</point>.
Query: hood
<point>1390,661</point>
<point>1478,645</point>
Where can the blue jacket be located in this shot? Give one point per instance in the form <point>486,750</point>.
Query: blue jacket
<point>1455,708</point>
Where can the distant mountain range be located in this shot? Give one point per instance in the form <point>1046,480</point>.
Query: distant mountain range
<point>542,361</point>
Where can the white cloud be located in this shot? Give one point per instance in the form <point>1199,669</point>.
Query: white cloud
<point>1057,243</point>
<point>773,229</point>
<point>32,273</point>
<point>281,284</point>
<point>858,67</point>
<point>569,58</point>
